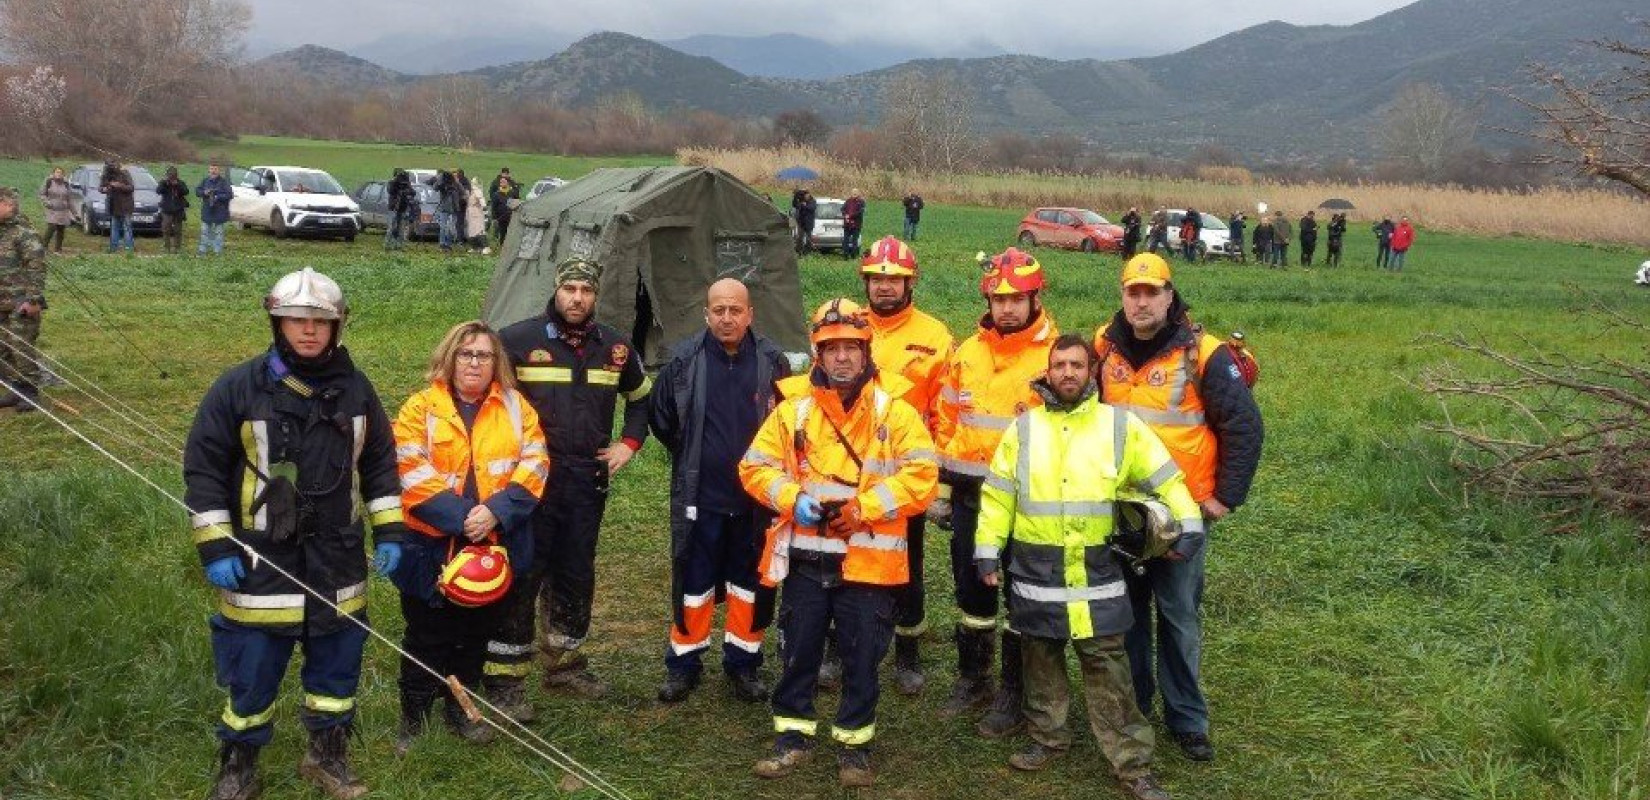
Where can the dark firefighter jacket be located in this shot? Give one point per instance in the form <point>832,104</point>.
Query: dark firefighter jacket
<point>330,438</point>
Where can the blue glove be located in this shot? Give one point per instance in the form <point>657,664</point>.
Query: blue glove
<point>807,512</point>
<point>386,556</point>
<point>226,573</point>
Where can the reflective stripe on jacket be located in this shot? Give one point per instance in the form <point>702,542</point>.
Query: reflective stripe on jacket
<point>797,450</point>
<point>1051,489</point>
<point>914,346</point>
<point>988,384</point>
<point>1163,393</point>
<point>435,451</point>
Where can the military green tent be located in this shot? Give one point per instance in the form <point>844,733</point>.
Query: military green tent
<point>662,235</point>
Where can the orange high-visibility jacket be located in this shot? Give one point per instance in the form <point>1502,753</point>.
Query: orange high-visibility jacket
<point>1163,394</point>
<point>915,346</point>
<point>898,480</point>
<point>434,450</point>
<point>987,385</point>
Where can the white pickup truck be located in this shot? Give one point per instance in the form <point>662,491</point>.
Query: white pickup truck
<point>294,200</point>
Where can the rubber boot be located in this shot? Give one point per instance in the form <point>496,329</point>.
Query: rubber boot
<point>508,694</point>
<point>568,672</point>
<point>29,398</point>
<point>237,772</point>
<point>415,712</point>
<point>326,764</point>
<point>908,677</point>
<point>8,399</point>
<point>1007,715</point>
<point>972,690</point>
<point>462,727</point>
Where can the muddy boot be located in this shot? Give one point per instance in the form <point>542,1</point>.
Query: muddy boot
<point>463,727</point>
<point>790,751</point>
<point>1007,715</point>
<point>237,772</point>
<point>908,677</point>
<point>508,694</point>
<point>830,669</point>
<point>853,768</point>
<point>415,712</point>
<point>29,398</point>
<point>972,691</point>
<point>326,764</point>
<point>8,399</point>
<point>568,672</point>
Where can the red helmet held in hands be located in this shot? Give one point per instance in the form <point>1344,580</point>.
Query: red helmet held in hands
<point>478,575</point>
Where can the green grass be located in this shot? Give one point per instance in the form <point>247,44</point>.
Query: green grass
<point>1369,634</point>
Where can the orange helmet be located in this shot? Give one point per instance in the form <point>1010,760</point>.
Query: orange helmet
<point>840,319</point>
<point>1012,271</point>
<point>889,256</point>
<point>476,576</point>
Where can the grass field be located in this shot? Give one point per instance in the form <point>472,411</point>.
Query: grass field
<point>1370,633</point>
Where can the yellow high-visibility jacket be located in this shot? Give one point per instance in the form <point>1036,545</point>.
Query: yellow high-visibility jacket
<point>915,346</point>
<point>1051,489</point>
<point>796,450</point>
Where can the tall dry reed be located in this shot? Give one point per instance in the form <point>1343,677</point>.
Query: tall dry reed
<point>1548,213</point>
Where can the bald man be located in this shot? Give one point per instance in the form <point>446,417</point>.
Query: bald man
<point>705,408</point>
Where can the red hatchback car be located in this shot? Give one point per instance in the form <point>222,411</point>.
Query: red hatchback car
<point>1071,228</point>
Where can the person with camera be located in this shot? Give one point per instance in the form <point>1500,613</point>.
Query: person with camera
<point>174,210</point>
<point>448,208</point>
<point>403,208</point>
<point>1337,237</point>
<point>119,194</point>
<point>1047,505</point>
<point>290,458</point>
<point>500,193</point>
<point>473,465</point>
<point>843,462</point>
<point>215,194</point>
<point>988,382</point>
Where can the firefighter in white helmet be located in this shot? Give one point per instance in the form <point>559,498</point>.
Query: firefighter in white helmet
<point>291,459</point>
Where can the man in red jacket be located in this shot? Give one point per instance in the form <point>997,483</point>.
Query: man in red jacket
<point>1402,237</point>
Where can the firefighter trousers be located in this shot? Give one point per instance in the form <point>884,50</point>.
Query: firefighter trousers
<point>864,618</point>
<point>451,639</point>
<point>720,564</point>
<point>250,663</point>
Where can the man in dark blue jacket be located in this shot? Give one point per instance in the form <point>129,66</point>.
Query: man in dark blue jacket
<point>214,193</point>
<point>716,529</point>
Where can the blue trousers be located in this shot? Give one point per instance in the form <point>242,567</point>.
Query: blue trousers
<point>910,229</point>
<point>120,233</point>
<point>719,566</point>
<point>448,223</point>
<point>252,661</point>
<point>864,620</point>
<point>1174,590</point>
<point>211,237</point>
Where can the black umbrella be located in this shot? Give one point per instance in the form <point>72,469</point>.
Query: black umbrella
<point>1337,204</point>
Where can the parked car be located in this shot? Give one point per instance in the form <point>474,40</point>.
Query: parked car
<point>1214,239</point>
<point>289,200</point>
<point>543,185</point>
<point>1071,228</point>
<point>828,232</point>
<point>374,199</point>
<point>94,207</point>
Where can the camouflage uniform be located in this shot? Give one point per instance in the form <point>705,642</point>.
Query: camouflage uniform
<point>22,279</point>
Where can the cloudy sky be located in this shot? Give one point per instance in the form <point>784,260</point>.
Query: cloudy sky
<point>1078,30</point>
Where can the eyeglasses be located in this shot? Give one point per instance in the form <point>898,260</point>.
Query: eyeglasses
<point>476,356</point>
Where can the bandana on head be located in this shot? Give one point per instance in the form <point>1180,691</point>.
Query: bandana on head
<point>578,269</point>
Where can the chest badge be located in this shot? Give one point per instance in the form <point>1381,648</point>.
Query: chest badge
<point>617,357</point>
<point>1156,378</point>
<point>539,357</point>
<point>1119,373</point>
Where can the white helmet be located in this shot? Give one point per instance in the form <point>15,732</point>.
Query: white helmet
<point>307,294</point>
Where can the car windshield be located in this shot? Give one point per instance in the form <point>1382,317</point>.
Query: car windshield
<point>426,194</point>
<point>1091,218</point>
<point>141,179</point>
<point>307,180</point>
<point>828,211</point>
<point>1213,222</point>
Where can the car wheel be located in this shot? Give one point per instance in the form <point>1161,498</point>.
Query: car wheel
<point>1088,246</point>
<point>349,237</point>
<point>1027,240</point>
<point>277,224</point>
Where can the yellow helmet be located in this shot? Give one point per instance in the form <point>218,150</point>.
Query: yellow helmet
<point>840,318</point>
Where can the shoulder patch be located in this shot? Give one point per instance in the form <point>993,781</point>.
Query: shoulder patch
<point>540,356</point>
<point>617,357</point>
<point>1232,369</point>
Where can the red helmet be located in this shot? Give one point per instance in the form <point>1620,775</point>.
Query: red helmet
<point>1012,271</point>
<point>478,575</point>
<point>889,256</point>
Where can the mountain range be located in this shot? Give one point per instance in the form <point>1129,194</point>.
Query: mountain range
<point>1274,91</point>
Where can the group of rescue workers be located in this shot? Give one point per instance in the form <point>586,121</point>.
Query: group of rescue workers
<point>1078,478</point>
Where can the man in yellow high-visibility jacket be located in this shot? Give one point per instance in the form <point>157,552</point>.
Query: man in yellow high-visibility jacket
<point>1046,510</point>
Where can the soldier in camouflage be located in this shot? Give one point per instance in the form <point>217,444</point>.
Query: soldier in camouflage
<point>22,298</point>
